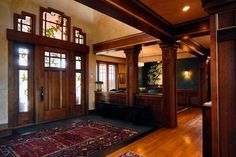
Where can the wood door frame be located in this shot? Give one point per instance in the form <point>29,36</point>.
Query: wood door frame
<point>39,41</point>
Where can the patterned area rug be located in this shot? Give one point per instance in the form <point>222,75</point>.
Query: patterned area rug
<point>130,154</point>
<point>77,139</point>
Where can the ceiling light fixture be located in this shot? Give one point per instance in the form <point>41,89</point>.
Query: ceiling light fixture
<point>186,8</point>
<point>140,62</point>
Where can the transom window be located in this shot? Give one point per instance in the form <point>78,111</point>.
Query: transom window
<point>54,60</point>
<point>55,24</point>
<point>25,22</point>
<point>79,36</point>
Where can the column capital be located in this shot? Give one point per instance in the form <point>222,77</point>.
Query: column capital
<point>136,48</point>
<point>167,44</point>
<point>216,6</point>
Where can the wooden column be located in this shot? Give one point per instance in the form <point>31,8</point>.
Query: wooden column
<point>204,77</point>
<point>223,76</point>
<point>131,73</point>
<point>169,50</point>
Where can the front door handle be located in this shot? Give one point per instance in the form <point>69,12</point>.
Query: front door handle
<point>41,93</point>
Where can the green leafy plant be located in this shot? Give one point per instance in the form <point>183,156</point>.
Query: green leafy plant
<point>154,74</point>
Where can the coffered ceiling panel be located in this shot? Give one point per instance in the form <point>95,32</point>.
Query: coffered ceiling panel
<point>171,10</point>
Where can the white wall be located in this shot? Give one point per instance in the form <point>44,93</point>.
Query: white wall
<point>97,26</point>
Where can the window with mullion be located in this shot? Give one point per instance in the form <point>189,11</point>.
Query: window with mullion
<point>23,78</point>
<point>106,72</point>
<point>55,24</point>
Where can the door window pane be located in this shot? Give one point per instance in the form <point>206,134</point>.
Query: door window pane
<point>23,91</point>
<point>78,88</point>
<point>54,60</point>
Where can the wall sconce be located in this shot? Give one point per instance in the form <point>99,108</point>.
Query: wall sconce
<point>187,74</point>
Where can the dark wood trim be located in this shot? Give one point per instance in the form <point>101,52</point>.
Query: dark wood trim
<point>169,57</point>
<point>226,34</point>
<point>41,40</point>
<point>124,42</point>
<point>193,28</point>
<point>212,6</point>
<point>132,73</point>
<point>207,129</point>
<point>133,13</point>
<point>86,81</point>
<point>195,48</point>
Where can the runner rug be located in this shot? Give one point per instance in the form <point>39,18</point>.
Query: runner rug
<point>85,138</point>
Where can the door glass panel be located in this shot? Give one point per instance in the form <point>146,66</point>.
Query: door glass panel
<point>54,60</point>
<point>78,88</point>
<point>23,91</point>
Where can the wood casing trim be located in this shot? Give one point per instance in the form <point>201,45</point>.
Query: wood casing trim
<point>123,42</point>
<point>41,40</point>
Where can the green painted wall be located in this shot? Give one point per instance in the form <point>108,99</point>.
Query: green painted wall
<point>191,64</point>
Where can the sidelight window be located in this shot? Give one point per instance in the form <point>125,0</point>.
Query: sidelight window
<point>78,79</point>
<point>23,64</point>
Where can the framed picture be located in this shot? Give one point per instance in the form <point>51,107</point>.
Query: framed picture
<point>121,78</point>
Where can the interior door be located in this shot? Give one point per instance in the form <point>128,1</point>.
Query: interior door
<point>52,84</point>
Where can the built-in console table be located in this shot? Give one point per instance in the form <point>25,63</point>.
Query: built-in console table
<point>147,108</point>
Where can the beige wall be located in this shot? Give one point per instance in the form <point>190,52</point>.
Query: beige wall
<point>97,26</point>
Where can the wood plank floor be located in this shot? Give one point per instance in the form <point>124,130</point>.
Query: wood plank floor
<point>184,141</point>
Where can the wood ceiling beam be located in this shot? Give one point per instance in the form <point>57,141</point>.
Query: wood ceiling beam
<point>193,28</point>
<point>133,13</point>
<point>194,48</point>
<point>131,40</point>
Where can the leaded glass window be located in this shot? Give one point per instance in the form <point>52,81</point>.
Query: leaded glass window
<point>54,60</point>
<point>78,79</point>
<point>25,22</point>
<point>23,91</point>
<point>79,36</point>
<point>23,70</point>
<point>55,24</point>
<point>78,87</point>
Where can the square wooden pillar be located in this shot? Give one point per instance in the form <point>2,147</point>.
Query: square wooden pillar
<point>223,76</point>
<point>169,50</point>
<point>131,73</point>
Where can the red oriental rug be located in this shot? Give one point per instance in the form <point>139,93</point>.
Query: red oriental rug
<point>85,138</point>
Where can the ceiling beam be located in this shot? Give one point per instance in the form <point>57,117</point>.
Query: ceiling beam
<point>194,48</point>
<point>123,42</point>
<point>193,28</point>
<point>133,13</point>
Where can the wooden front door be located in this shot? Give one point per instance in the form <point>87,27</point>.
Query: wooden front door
<point>52,84</point>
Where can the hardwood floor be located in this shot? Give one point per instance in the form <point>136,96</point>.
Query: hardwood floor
<point>184,141</point>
